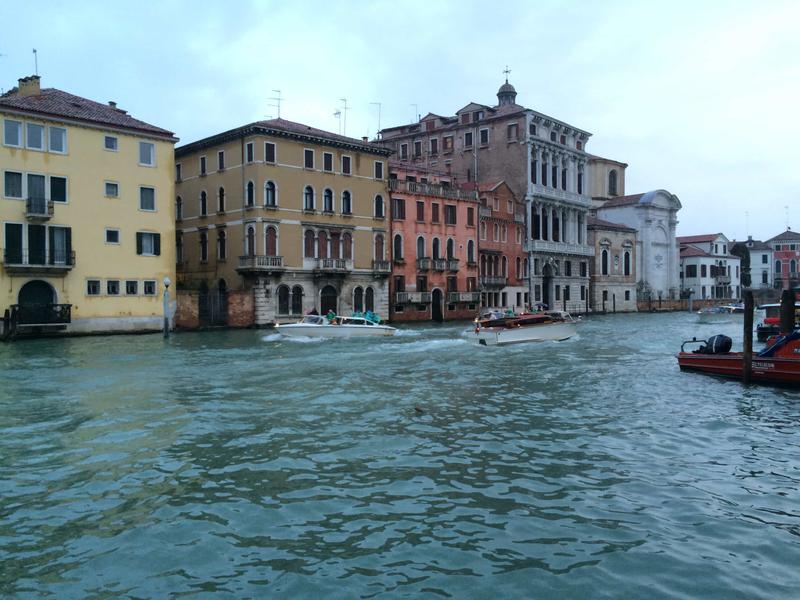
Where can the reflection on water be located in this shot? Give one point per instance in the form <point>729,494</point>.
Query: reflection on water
<point>244,464</point>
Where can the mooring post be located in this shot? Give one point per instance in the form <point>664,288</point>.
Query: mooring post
<point>787,311</point>
<point>748,336</point>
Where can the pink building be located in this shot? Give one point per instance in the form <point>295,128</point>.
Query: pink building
<point>434,230</point>
<point>786,259</point>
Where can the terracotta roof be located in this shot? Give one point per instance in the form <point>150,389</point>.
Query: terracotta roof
<point>51,102</point>
<point>688,251</point>
<point>695,239</point>
<point>753,245</point>
<point>623,201</point>
<point>595,223</point>
<point>786,236</point>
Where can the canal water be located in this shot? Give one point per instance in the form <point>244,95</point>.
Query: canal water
<point>238,464</point>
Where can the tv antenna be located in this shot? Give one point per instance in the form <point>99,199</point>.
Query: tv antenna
<point>786,208</point>
<point>35,62</point>
<point>277,99</point>
<point>344,114</point>
<point>416,113</point>
<point>378,104</point>
<point>338,115</point>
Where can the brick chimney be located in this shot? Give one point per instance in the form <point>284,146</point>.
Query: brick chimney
<point>112,104</point>
<point>29,86</point>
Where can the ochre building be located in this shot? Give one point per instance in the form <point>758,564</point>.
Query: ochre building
<point>87,214</point>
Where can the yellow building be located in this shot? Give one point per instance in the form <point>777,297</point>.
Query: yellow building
<point>293,213</point>
<point>88,214</point>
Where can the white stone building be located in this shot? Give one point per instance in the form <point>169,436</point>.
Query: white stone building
<point>761,272</point>
<point>708,269</point>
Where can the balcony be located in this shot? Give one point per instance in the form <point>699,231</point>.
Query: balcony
<point>722,279</point>
<point>559,248</point>
<point>439,264</point>
<point>430,189</point>
<point>484,212</point>
<point>333,265</point>
<point>381,267</point>
<point>452,264</point>
<point>38,262</point>
<point>470,297</point>
<point>549,192</point>
<point>260,264</point>
<point>493,282</point>
<point>413,297</point>
<point>39,315</point>
<point>38,209</point>
<point>423,264</point>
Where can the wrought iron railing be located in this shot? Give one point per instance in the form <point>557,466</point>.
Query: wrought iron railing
<point>17,257</point>
<point>40,314</point>
<point>38,207</point>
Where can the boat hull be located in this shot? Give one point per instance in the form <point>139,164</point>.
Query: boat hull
<point>334,331</point>
<point>501,336</point>
<point>778,370</point>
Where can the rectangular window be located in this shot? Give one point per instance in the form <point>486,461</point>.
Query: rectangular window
<point>345,165</point>
<point>147,198</point>
<point>202,166</point>
<point>308,159</point>
<point>627,295</point>
<point>378,169</point>
<point>110,143</point>
<point>112,189</point>
<point>450,215</point>
<point>269,152</point>
<point>764,259</point>
<point>552,136</point>
<point>13,185</point>
<point>58,189</point>
<point>398,209</point>
<point>112,287</point>
<point>583,292</point>
<point>568,269</point>
<point>484,137</point>
<point>403,151</point>
<point>147,154</point>
<point>703,271</point>
<point>36,186</point>
<point>112,236</point>
<point>447,143</point>
<point>566,292</point>
<point>132,287</point>
<point>58,139</point>
<point>564,140</point>
<point>148,244</point>
<point>583,269</point>
<point>250,152</point>
<point>471,216</point>
<point>327,161</point>
<point>417,149</point>
<point>12,133</point>
<point>511,131</point>
<point>93,287</point>
<point>558,292</point>
<point>434,213</point>
<point>420,211</point>
<point>691,271</point>
<point>221,160</point>
<point>532,129</point>
<point>434,146</point>
<point>150,287</point>
<point>178,172</point>
<point>467,139</point>
<point>34,135</point>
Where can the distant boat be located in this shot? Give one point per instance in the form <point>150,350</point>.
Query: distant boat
<point>718,313</point>
<point>337,327</point>
<point>493,328</point>
<point>770,324</point>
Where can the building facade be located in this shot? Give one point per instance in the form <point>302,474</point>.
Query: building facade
<point>606,179</point>
<point>87,213</point>
<point>761,267</point>
<point>434,247</point>
<point>613,270</point>
<point>708,269</point>
<point>543,161</point>
<point>294,214</point>
<point>786,259</point>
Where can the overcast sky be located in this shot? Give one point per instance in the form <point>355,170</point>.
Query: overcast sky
<point>699,98</point>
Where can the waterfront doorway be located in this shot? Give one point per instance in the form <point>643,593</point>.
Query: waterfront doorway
<point>213,305</point>
<point>37,292</point>
<point>328,300</point>
<point>436,306</point>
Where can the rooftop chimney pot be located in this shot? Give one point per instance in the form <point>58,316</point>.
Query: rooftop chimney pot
<point>29,86</point>
<point>112,104</point>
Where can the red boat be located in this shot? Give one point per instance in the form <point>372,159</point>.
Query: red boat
<point>778,363</point>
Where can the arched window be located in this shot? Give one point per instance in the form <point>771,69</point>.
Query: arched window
<point>483,265</point>
<point>612,182</point>
<point>436,249</point>
<point>778,267</point>
<point>335,244</point>
<point>203,246</point>
<point>604,262</point>
<point>420,247</point>
<point>471,251</point>
<point>379,246</point>
<point>297,300</point>
<point>626,263</point>
<point>451,249</point>
<point>327,200</point>
<point>347,246</point>
<point>347,203</point>
<point>793,266</point>
<point>251,241</point>
<point>505,266</point>
<point>178,208</point>
<point>518,265</point>
<point>271,241</point>
<point>379,206</point>
<point>251,193</point>
<point>556,233</point>
<point>308,244</point>
<point>270,197</point>
<point>397,247</point>
<point>308,198</point>
<point>369,299</point>
<point>322,244</point>
<point>283,300</point>
<point>358,299</point>
<point>222,247</point>
<point>221,200</point>
<point>203,203</point>
<point>483,230</point>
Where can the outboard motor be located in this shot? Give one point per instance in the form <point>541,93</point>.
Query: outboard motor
<point>716,344</point>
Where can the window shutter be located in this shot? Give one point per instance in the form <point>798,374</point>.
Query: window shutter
<point>157,244</point>
<point>139,237</point>
<point>69,245</point>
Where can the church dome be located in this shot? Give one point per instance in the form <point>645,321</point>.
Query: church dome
<point>506,94</point>
<point>506,88</point>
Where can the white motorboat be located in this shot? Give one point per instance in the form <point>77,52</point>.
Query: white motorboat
<point>338,327</point>
<point>496,329</point>
<point>718,314</point>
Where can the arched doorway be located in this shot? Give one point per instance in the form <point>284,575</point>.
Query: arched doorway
<point>436,305</point>
<point>36,292</point>
<point>328,299</point>
<point>37,306</point>
<point>547,283</point>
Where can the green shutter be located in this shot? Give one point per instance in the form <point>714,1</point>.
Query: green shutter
<point>138,242</point>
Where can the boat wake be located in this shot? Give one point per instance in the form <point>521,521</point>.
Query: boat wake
<point>277,337</point>
<point>426,345</point>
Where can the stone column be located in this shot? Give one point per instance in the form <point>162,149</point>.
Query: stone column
<point>263,303</point>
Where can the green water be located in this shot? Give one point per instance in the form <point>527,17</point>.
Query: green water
<point>239,464</point>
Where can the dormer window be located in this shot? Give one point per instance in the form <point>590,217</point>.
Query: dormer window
<point>477,116</point>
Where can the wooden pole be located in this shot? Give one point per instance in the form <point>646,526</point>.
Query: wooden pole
<point>787,312</point>
<point>748,336</point>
